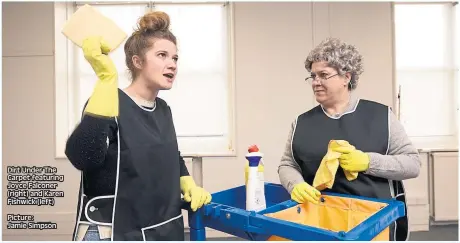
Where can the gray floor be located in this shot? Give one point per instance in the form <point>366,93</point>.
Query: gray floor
<point>436,233</point>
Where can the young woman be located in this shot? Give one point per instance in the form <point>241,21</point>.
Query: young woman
<point>126,148</point>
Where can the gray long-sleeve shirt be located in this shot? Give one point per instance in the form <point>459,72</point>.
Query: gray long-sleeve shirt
<point>400,163</point>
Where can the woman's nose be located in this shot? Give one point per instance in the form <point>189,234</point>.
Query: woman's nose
<point>316,81</point>
<point>172,66</point>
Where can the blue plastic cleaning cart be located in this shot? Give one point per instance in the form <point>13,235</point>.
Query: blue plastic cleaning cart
<point>226,213</point>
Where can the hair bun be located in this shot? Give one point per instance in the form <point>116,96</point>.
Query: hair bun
<point>154,21</point>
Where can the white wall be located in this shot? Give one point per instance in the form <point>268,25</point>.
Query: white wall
<point>28,113</point>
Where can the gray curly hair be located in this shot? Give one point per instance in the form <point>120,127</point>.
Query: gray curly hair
<point>339,55</point>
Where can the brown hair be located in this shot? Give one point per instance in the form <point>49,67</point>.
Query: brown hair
<point>151,26</point>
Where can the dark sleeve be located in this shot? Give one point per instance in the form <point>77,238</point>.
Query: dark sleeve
<point>87,145</point>
<point>183,168</point>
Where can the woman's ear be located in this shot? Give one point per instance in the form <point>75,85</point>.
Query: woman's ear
<point>347,79</point>
<point>348,76</point>
<point>137,61</point>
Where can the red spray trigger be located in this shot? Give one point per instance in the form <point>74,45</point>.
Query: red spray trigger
<point>253,148</point>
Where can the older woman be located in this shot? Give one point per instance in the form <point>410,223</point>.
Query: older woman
<point>382,155</point>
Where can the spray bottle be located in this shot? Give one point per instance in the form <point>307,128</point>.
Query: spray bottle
<point>260,168</point>
<point>255,185</point>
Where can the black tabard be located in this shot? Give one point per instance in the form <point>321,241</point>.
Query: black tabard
<point>147,200</point>
<point>366,128</point>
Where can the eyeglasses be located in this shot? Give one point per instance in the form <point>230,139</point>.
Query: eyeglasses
<point>321,78</point>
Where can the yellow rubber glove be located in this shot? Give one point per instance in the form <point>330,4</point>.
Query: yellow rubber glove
<point>303,193</point>
<point>352,159</point>
<point>104,100</point>
<point>194,194</point>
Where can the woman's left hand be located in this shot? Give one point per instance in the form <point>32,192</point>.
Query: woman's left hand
<point>352,159</point>
<point>197,196</point>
